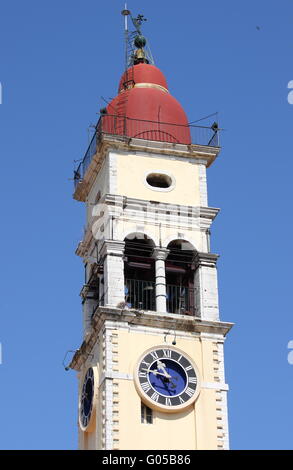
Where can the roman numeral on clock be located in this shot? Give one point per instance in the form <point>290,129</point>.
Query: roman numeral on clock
<point>168,402</point>
<point>147,364</point>
<point>167,353</point>
<point>189,391</point>
<point>154,355</point>
<point>192,380</point>
<point>155,396</point>
<point>145,386</point>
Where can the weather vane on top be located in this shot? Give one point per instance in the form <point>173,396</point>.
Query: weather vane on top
<point>138,22</point>
<point>136,48</point>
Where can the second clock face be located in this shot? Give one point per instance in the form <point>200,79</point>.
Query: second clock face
<point>167,379</point>
<point>86,400</point>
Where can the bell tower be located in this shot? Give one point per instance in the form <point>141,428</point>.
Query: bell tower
<point>151,364</point>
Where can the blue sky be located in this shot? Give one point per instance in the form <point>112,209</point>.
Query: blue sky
<point>56,61</point>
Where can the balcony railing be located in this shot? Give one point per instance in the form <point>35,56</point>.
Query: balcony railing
<point>180,300</point>
<point>142,295</point>
<point>123,126</point>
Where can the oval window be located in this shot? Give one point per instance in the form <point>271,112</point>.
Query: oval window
<point>159,180</point>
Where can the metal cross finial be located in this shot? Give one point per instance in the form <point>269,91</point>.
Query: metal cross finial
<point>136,48</point>
<point>138,22</point>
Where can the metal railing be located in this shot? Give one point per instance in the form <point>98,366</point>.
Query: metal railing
<point>124,126</point>
<point>84,164</point>
<point>142,295</point>
<point>180,299</point>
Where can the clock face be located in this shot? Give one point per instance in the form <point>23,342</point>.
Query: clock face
<point>167,379</point>
<point>87,398</point>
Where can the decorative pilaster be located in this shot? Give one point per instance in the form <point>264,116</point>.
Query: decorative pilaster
<point>89,305</point>
<point>224,440</point>
<point>160,255</point>
<point>112,252</point>
<point>206,286</point>
<point>203,191</point>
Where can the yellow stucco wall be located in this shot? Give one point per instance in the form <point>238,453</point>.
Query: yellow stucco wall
<point>132,169</point>
<point>168,431</point>
<point>193,428</point>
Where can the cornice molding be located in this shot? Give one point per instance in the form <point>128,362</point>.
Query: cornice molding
<point>149,319</point>
<point>205,259</point>
<point>199,153</point>
<point>119,206</point>
<point>112,247</point>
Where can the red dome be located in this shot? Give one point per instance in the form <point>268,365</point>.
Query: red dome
<point>145,109</point>
<point>143,73</point>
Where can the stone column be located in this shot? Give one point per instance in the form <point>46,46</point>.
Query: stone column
<point>206,286</point>
<point>160,255</point>
<point>112,252</point>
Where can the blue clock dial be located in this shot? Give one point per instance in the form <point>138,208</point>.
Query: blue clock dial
<point>167,378</point>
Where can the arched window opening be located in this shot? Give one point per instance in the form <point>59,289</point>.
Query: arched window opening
<point>139,273</point>
<point>180,278</point>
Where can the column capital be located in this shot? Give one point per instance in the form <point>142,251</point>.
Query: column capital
<point>112,247</point>
<point>160,253</point>
<point>205,259</point>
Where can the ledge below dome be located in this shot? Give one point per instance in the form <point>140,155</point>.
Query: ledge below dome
<point>204,146</point>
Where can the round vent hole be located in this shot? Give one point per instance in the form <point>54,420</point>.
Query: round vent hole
<point>159,180</point>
